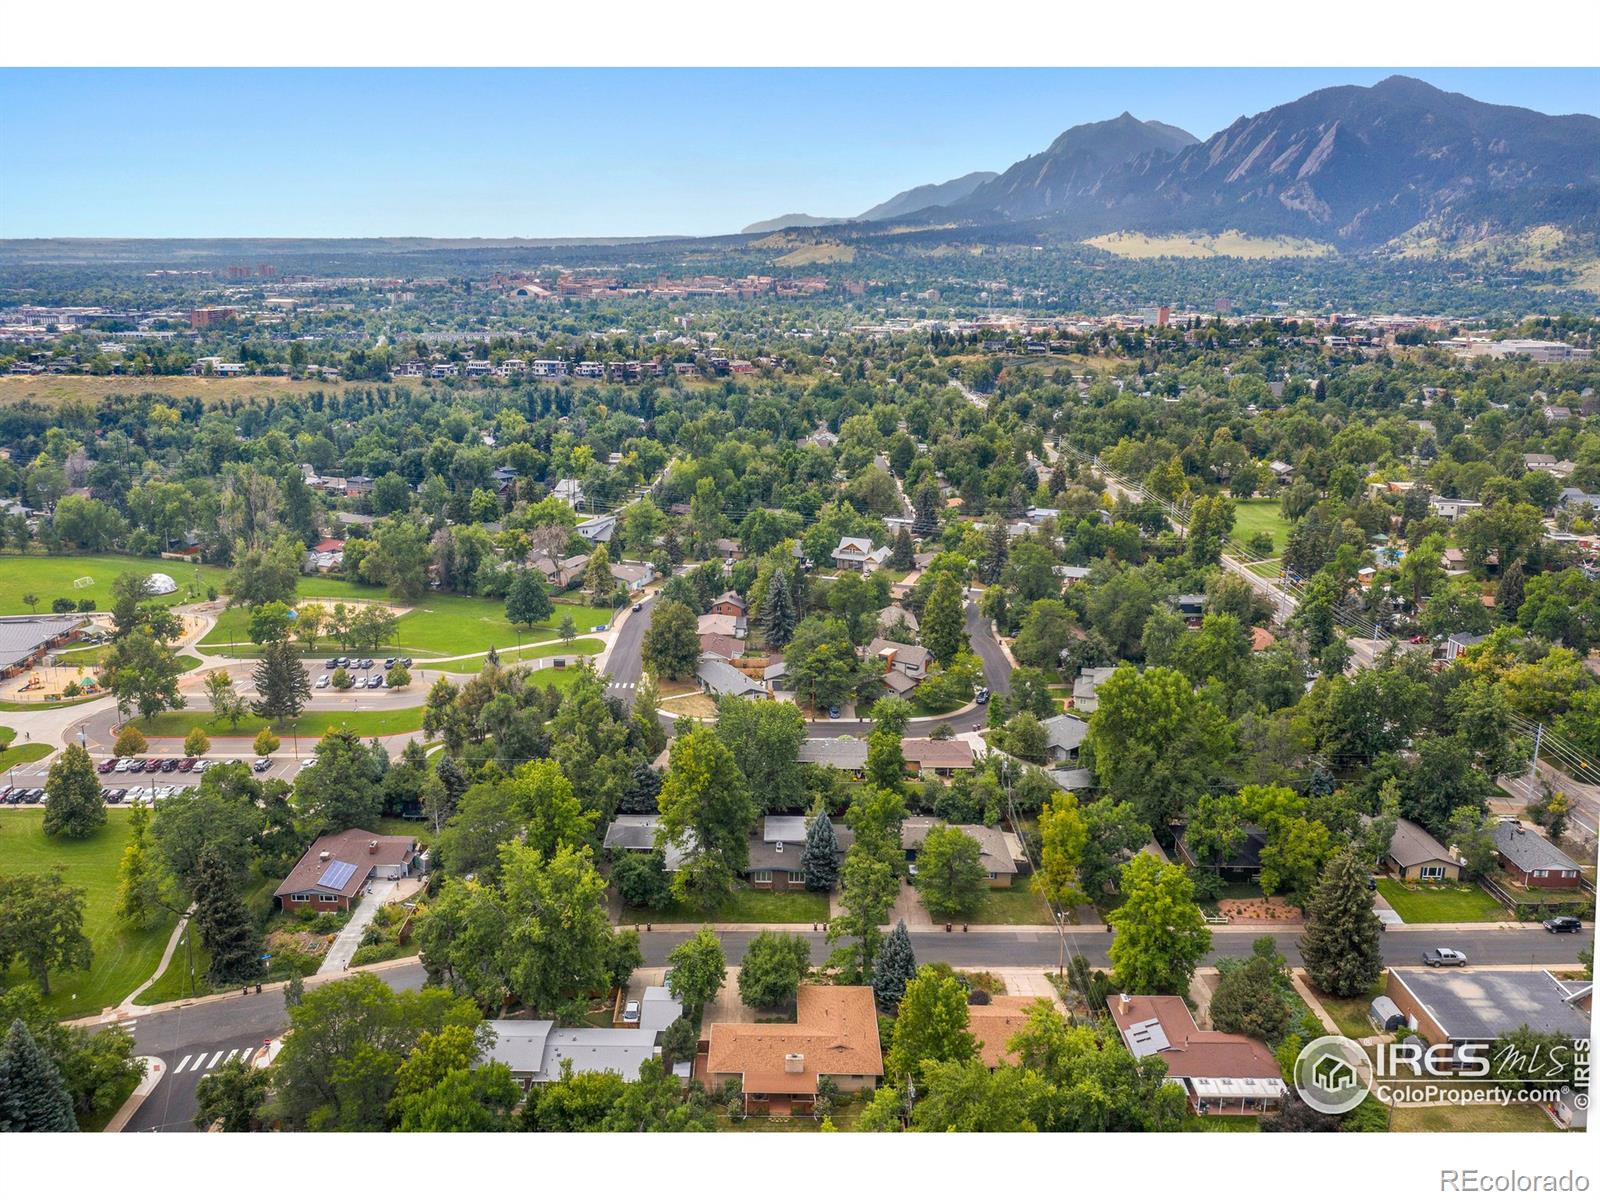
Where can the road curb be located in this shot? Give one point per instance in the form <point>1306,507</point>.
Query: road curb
<point>155,1069</point>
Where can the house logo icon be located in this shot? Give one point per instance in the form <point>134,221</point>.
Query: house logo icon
<point>1333,1074</point>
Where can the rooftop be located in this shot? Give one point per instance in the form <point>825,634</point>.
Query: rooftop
<point>1482,1005</point>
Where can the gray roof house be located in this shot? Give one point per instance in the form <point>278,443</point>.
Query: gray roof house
<point>720,679</point>
<point>596,529</point>
<point>1531,859</point>
<point>1479,1006</point>
<point>911,661</point>
<point>841,753</point>
<point>637,833</point>
<point>536,1050</point>
<point>1065,734</point>
<point>1087,685</point>
<point>994,852</point>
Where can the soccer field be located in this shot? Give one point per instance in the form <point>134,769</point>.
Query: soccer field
<point>51,576</point>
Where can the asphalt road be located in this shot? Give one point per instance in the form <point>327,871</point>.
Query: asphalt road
<point>193,1040</point>
<point>625,663</point>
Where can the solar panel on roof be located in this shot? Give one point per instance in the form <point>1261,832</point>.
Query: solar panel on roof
<point>337,875</point>
<point>1147,1037</point>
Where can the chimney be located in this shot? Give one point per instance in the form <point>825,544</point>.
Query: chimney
<point>372,846</point>
<point>794,1064</point>
<point>1124,1003</point>
<point>779,849</point>
<point>324,856</point>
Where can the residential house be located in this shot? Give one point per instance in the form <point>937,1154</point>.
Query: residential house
<point>333,873</point>
<point>1071,575</point>
<point>1571,497</point>
<point>720,679</point>
<point>729,604</point>
<point>1064,737</point>
<point>1281,471</point>
<point>995,852</point>
<point>326,555</point>
<point>1243,863</point>
<point>633,833</point>
<point>1476,1008</point>
<point>1220,1073</point>
<point>1086,687</point>
<point>936,756</point>
<point>569,490</point>
<point>1457,642</point>
<point>1531,860</point>
<point>774,854</point>
<point>841,753</point>
<point>721,623</point>
<point>859,554</point>
<point>1414,853</point>
<point>536,1051</point>
<point>894,616</point>
<point>633,575</point>
<point>1449,508</point>
<point>596,529</point>
<point>834,1033</point>
<point>994,1024</point>
<point>720,645</point>
<point>910,661</point>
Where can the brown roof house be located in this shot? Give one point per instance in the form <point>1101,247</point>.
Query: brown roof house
<point>994,1024</point>
<point>835,1033</point>
<point>331,875</point>
<point>995,852</point>
<point>1219,1072</point>
<point>1415,854</point>
<point>936,756</point>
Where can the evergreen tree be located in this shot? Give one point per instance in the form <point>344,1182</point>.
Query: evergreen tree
<point>821,857</point>
<point>1340,945</point>
<point>139,877</point>
<point>902,555</point>
<point>893,968</point>
<point>75,808</point>
<point>927,506</point>
<point>33,1098</point>
<point>996,550</point>
<point>944,630</point>
<point>282,683</point>
<point>777,610</point>
<point>224,925</point>
<point>1511,590</point>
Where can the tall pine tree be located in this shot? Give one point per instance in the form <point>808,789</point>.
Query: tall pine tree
<point>821,857</point>
<point>996,550</point>
<point>777,610</point>
<point>224,925</point>
<point>944,628</point>
<point>927,507</point>
<point>893,968</point>
<point>1340,945</point>
<point>281,681</point>
<point>902,556</point>
<point>33,1098</point>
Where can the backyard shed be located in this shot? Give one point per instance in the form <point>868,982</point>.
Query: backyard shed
<point>1386,1014</point>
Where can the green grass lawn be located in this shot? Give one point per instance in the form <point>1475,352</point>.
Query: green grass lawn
<point>748,906</point>
<point>510,658</point>
<point>1194,1123</point>
<point>1441,902</point>
<point>7,735</point>
<point>93,656</point>
<point>1252,516</point>
<point>20,706</point>
<point>1473,1118</point>
<point>122,958</point>
<point>1350,1015</point>
<point>174,982</point>
<point>311,724</point>
<point>1016,905</point>
<point>51,576</point>
<point>438,625</point>
<point>15,756</point>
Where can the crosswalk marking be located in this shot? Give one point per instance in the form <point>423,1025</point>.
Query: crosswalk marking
<point>229,1056</point>
<point>616,683</point>
<point>181,1065</point>
<point>215,1059</point>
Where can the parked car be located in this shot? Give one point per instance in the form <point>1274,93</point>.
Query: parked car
<point>261,764</point>
<point>833,711</point>
<point>322,681</point>
<point>170,765</point>
<point>406,663</point>
<point>310,762</point>
<point>107,767</point>
<point>630,1013</point>
<point>637,607</point>
<point>1563,925</point>
<point>5,795</point>
<point>187,764</point>
<point>152,765</point>
<point>202,766</point>
<point>981,696</point>
<point>388,664</point>
<point>331,664</point>
<point>375,682</point>
<point>1443,958</point>
<point>342,661</point>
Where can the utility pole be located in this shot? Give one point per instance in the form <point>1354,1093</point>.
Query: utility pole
<point>1538,741</point>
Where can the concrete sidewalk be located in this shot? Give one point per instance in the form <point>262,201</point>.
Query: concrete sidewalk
<point>349,938</point>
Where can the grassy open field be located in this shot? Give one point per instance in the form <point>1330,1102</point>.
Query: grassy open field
<point>122,958</point>
<point>1252,516</point>
<point>50,576</point>
<point>1441,902</point>
<point>748,906</point>
<point>509,658</point>
<point>437,626</point>
<point>1473,1118</point>
<point>1228,244</point>
<point>88,389</point>
<point>1350,1015</point>
<point>376,723</point>
<point>15,756</point>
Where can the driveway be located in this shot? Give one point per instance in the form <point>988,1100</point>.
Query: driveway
<point>344,946</point>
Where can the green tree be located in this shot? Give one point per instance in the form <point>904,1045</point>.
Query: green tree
<point>74,807</point>
<point>597,578</point>
<point>772,968</point>
<point>219,818</point>
<point>140,878</point>
<point>1063,834</point>
<point>1161,934</point>
<point>930,1027</point>
<point>969,1097</point>
<point>341,789</point>
<point>822,663</point>
<point>697,969</point>
<point>886,761</point>
<point>1250,998</point>
<point>231,1097</point>
<point>196,743</point>
<point>33,1098</point>
<point>671,648</point>
<point>528,601</point>
<point>764,737</point>
<point>440,1089</point>
<point>271,622</point>
<point>1340,945</point>
<point>226,704</point>
<point>950,876</point>
<point>1046,631</point>
<point>142,674</point>
<point>894,966</point>
<point>41,925</point>
<point>263,572</point>
<point>821,858</point>
<point>944,629</point>
<point>568,630</point>
<point>867,888</point>
<point>777,610</point>
<point>708,812</point>
<point>281,683</point>
<point>224,924</point>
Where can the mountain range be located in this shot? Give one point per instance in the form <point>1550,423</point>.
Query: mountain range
<point>1350,166</point>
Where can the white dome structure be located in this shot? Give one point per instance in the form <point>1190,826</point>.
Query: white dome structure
<point>160,585</point>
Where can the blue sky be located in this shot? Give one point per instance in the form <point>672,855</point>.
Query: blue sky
<point>499,153</point>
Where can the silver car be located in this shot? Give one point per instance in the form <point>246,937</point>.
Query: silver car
<point>1443,958</point>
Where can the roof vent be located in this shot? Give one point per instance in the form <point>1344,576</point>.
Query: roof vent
<point>794,1064</point>
<point>779,848</point>
<point>324,856</point>
<point>372,846</point>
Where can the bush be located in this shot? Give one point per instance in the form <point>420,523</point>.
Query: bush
<point>196,743</point>
<point>399,677</point>
<point>63,604</point>
<point>266,742</point>
<point>129,742</point>
<point>341,679</point>
<point>642,880</point>
<point>72,689</point>
<point>87,606</point>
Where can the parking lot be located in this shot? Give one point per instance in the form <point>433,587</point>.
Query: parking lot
<point>361,672</point>
<point>124,780</point>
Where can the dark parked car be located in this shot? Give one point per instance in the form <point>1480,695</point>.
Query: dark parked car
<point>5,795</point>
<point>187,764</point>
<point>1563,925</point>
<point>406,663</point>
<point>331,663</point>
<point>388,663</point>
<point>375,682</point>
<point>170,765</point>
<point>107,767</point>
<point>152,765</point>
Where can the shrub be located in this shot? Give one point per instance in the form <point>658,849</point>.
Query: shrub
<point>87,606</point>
<point>266,742</point>
<point>129,742</point>
<point>642,880</point>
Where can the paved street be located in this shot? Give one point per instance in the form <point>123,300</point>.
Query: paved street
<point>193,1040</point>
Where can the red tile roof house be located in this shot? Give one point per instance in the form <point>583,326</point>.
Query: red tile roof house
<point>835,1033</point>
<point>1221,1073</point>
<point>331,875</point>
